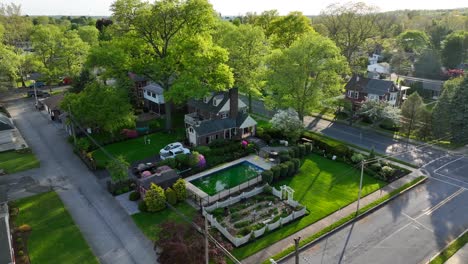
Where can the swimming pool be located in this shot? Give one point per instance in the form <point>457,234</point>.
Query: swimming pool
<point>227,178</point>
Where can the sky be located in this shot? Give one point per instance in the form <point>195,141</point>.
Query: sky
<point>226,7</point>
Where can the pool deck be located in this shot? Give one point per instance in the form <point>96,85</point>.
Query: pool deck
<point>254,159</point>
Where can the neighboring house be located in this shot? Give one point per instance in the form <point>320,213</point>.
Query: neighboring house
<point>378,69</point>
<point>52,106</point>
<point>434,87</point>
<point>220,115</point>
<point>360,89</point>
<point>163,176</point>
<point>7,255</point>
<point>374,59</point>
<point>138,83</point>
<point>10,137</point>
<point>153,95</point>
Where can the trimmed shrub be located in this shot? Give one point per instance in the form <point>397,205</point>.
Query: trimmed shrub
<point>182,161</point>
<point>284,156</point>
<point>171,162</point>
<point>387,172</point>
<point>283,170</point>
<point>205,150</point>
<point>155,198</point>
<point>291,168</point>
<point>302,150</point>
<point>142,206</point>
<point>25,228</point>
<point>276,172</point>
<point>20,253</point>
<point>308,148</point>
<point>171,196</point>
<point>375,167</point>
<point>357,157</point>
<point>297,164</point>
<point>296,150</point>
<point>180,190</point>
<point>134,196</point>
<point>267,189</point>
<point>292,153</point>
<point>267,176</point>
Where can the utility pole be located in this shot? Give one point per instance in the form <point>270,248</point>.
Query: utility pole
<point>35,93</point>
<point>296,246</point>
<point>360,185</point>
<point>71,125</point>
<point>207,257</point>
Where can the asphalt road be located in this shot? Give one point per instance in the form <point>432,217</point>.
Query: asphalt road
<point>413,227</point>
<point>110,232</point>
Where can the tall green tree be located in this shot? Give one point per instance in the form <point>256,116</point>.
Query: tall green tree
<point>349,25</point>
<point>47,42</point>
<point>414,41</point>
<point>179,53</point>
<point>455,49</point>
<point>302,75</point>
<point>16,26</point>
<point>411,113</point>
<point>428,65</point>
<point>89,34</point>
<point>443,109</point>
<point>118,169</point>
<point>73,53</point>
<point>9,66</point>
<point>284,30</point>
<point>459,115</point>
<point>100,107</point>
<point>248,50</point>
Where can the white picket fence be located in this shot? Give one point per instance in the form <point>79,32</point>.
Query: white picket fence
<point>237,241</point>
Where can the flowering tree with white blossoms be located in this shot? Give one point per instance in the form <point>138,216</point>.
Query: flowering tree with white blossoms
<point>288,122</point>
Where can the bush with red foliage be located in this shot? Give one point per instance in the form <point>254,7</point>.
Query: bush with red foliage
<point>180,243</point>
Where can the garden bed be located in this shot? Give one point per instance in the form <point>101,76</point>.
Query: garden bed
<point>251,214</point>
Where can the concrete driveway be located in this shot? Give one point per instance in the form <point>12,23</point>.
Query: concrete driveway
<point>111,233</point>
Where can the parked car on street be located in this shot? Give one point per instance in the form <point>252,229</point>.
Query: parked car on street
<point>38,85</point>
<point>39,93</point>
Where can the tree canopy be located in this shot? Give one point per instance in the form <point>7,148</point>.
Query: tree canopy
<point>178,49</point>
<point>301,75</point>
<point>413,41</point>
<point>455,49</point>
<point>100,107</point>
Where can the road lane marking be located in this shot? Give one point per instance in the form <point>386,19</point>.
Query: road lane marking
<point>454,179</point>
<point>393,233</point>
<point>446,182</point>
<point>416,221</point>
<point>441,203</point>
<point>434,160</point>
<point>448,163</point>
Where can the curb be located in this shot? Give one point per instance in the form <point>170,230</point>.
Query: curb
<point>371,210</point>
<point>448,245</point>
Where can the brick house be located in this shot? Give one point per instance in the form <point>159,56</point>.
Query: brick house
<point>220,115</point>
<point>360,89</point>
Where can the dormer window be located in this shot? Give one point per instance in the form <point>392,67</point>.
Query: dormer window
<point>217,100</point>
<point>206,99</point>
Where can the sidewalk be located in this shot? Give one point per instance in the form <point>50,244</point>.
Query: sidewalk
<point>277,247</point>
<point>460,257</point>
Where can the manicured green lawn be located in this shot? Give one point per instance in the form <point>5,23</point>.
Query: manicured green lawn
<point>12,161</point>
<point>135,149</point>
<point>54,237</point>
<point>450,250</point>
<point>148,222</point>
<point>323,186</point>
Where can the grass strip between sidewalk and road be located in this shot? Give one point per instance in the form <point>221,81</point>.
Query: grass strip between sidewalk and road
<point>345,220</point>
<point>451,249</point>
<point>16,161</point>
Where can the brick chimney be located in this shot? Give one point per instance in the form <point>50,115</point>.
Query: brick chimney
<point>233,102</point>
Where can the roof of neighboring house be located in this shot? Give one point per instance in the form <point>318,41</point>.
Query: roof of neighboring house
<point>209,107</point>
<point>371,86</point>
<point>53,102</point>
<point>5,123</point>
<point>154,87</point>
<point>165,179</point>
<point>136,78</point>
<point>215,125</point>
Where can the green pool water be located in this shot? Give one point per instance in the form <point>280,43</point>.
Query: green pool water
<point>227,178</point>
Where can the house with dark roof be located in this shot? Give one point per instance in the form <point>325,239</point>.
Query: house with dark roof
<point>163,176</point>
<point>153,95</point>
<point>360,89</point>
<point>220,115</point>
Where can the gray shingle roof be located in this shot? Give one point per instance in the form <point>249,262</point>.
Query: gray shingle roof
<point>371,86</point>
<point>5,123</point>
<point>165,180</point>
<point>214,125</point>
<point>54,101</point>
<point>209,107</point>
<point>154,87</point>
